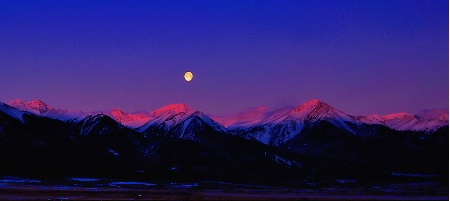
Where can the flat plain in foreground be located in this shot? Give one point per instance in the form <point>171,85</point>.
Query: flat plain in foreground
<point>44,192</point>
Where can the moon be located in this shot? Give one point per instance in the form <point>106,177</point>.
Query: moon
<point>188,76</point>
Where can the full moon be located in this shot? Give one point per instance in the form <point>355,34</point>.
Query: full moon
<point>188,76</point>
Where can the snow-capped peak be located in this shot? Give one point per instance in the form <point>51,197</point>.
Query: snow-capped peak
<point>172,108</point>
<point>316,109</point>
<point>36,106</point>
<point>39,104</point>
<point>309,107</point>
<point>206,119</point>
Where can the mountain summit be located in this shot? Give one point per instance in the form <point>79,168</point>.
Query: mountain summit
<point>316,109</point>
<point>37,106</point>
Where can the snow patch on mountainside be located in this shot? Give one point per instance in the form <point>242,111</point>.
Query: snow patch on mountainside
<point>275,134</point>
<point>11,111</point>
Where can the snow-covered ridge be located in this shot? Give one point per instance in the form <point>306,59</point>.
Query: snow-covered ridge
<point>132,120</point>
<point>40,108</point>
<point>425,120</point>
<point>167,117</point>
<point>37,107</point>
<point>173,114</point>
<point>315,110</point>
<point>173,109</point>
<point>11,111</point>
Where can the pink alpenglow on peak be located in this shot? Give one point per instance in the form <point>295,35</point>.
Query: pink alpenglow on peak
<point>399,116</point>
<point>37,106</point>
<point>313,110</point>
<point>172,108</point>
<point>309,105</point>
<point>305,109</point>
<point>133,120</point>
<point>316,109</point>
<point>168,116</point>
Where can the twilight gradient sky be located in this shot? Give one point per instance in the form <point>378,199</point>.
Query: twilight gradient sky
<point>362,57</point>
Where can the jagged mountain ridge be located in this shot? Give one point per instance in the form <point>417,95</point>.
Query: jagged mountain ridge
<point>132,120</point>
<point>274,128</point>
<point>307,112</point>
<point>279,131</point>
<point>40,108</point>
<point>316,109</point>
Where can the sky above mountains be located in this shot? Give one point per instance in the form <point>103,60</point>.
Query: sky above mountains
<point>363,57</point>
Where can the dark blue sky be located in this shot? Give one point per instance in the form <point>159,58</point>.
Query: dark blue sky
<point>362,57</point>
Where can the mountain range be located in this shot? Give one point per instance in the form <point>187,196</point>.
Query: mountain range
<point>289,146</point>
<point>425,120</point>
<point>269,127</point>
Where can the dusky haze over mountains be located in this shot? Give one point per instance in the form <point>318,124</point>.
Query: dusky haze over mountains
<point>363,57</point>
